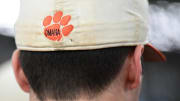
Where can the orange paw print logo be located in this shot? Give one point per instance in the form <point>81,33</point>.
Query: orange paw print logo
<point>57,26</point>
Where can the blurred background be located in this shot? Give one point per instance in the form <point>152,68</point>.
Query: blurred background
<point>161,80</point>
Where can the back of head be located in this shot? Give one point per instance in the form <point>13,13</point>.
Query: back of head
<point>71,49</point>
<point>70,75</point>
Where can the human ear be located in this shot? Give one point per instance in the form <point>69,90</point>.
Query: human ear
<point>19,74</point>
<point>135,67</point>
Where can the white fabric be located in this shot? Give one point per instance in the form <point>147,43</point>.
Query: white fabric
<point>97,24</point>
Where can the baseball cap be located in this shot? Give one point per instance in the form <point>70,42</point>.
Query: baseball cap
<point>56,25</point>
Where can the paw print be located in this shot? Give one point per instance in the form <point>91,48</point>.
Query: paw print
<point>58,28</point>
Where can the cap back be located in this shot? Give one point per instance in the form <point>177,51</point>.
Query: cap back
<point>50,25</point>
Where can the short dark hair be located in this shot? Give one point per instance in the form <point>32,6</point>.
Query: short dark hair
<point>66,74</point>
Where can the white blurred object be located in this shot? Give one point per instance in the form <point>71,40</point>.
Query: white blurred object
<point>165,26</point>
<point>9,90</point>
<point>9,12</point>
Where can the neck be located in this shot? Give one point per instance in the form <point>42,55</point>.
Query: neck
<point>111,94</point>
<point>114,92</point>
<point>106,97</point>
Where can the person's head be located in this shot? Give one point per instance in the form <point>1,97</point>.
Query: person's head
<point>108,74</point>
<point>82,49</point>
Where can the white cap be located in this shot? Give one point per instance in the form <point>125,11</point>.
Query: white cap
<point>55,25</point>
